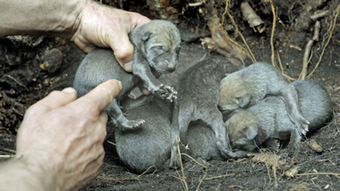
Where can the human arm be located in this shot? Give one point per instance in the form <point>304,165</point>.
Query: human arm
<point>85,22</point>
<point>60,141</point>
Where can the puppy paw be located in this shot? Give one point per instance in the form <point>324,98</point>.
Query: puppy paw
<point>301,124</point>
<point>292,149</point>
<point>166,92</point>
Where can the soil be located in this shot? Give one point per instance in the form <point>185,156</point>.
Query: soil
<point>23,82</point>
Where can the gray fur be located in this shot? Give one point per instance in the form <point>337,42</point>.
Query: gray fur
<point>198,95</point>
<point>252,84</point>
<point>156,46</point>
<point>148,146</point>
<point>268,119</point>
<point>201,142</point>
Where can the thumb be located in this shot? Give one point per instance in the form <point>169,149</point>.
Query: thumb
<point>123,51</point>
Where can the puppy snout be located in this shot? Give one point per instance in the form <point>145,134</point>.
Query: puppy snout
<point>171,64</point>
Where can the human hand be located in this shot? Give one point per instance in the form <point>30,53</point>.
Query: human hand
<point>62,136</point>
<point>104,26</point>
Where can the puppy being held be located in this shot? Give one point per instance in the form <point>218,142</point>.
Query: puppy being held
<point>250,85</point>
<point>267,122</point>
<point>156,49</point>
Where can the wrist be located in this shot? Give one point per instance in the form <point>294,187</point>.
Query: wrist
<point>21,174</point>
<point>40,17</point>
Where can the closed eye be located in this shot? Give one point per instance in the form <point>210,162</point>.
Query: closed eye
<point>160,49</point>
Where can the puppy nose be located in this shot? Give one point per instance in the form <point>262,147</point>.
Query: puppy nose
<point>171,64</point>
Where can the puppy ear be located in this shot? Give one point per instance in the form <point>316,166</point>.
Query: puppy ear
<point>251,132</point>
<point>146,36</point>
<point>244,101</point>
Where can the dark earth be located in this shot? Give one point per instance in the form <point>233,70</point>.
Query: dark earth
<point>23,81</point>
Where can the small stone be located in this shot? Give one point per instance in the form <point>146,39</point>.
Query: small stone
<point>52,60</point>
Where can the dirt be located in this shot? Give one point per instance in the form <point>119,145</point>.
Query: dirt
<point>23,82</point>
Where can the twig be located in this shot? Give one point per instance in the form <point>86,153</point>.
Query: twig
<point>318,15</point>
<point>329,38</point>
<point>116,179</point>
<point>110,142</point>
<point>182,178</point>
<point>17,81</point>
<point>6,156</point>
<point>153,166</point>
<point>204,176</point>
<point>9,150</point>
<point>270,178</point>
<point>220,176</point>
<point>195,4</point>
<point>205,166</point>
<point>272,34</point>
<point>320,173</point>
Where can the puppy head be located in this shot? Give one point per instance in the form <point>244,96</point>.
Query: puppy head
<point>161,41</point>
<point>233,93</point>
<point>242,130</point>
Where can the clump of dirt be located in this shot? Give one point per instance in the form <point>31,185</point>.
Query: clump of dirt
<point>23,82</point>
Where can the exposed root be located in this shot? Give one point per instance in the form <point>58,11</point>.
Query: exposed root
<point>252,18</point>
<point>272,34</point>
<point>220,37</point>
<point>306,57</point>
<point>250,53</point>
<point>330,33</point>
<point>282,69</point>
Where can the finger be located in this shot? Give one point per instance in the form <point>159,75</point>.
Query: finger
<point>57,99</point>
<point>123,50</point>
<point>144,91</point>
<point>138,19</point>
<point>102,95</point>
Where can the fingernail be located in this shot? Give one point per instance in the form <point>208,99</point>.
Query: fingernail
<point>69,90</point>
<point>120,84</point>
<point>128,66</point>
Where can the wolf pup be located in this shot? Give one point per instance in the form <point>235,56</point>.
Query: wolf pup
<point>157,46</point>
<point>144,147</point>
<point>198,95</point>
<point>248,86</point>
<point>259,124</point>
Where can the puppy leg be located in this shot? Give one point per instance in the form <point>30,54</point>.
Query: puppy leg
<point>289,94</point>
<point>294,141</point>
<point>180,121</point>
<point>120,120</point>
<point>214,119</point>
<point>143,70</point>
